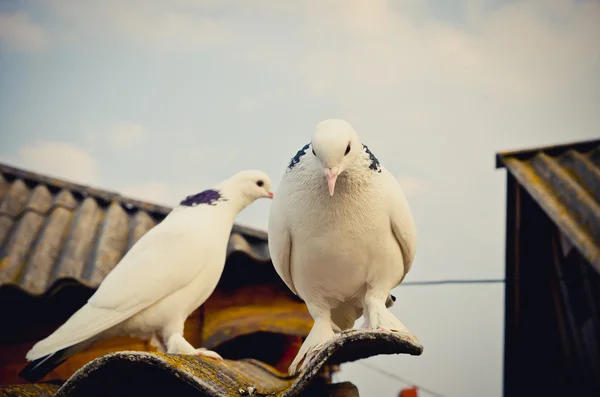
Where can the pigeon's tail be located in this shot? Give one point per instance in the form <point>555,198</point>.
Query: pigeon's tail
<point>88,325</point>
<point>40,367</point>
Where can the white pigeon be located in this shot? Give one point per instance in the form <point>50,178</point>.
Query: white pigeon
<point>341,236</point>
<point>166,275</point>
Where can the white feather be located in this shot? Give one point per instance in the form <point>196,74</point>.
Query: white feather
<point>341,253</point>
<point>165,276</point>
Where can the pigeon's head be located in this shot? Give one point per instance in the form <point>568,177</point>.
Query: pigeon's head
<point>335,144</point>
<point>253,184</point>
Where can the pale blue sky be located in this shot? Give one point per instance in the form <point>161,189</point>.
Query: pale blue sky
<point>160,99</point>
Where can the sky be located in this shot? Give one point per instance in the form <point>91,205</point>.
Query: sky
<point>161,99</point>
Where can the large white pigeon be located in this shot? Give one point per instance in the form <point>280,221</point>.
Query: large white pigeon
<point>167,274</point>
<point>341,236</point>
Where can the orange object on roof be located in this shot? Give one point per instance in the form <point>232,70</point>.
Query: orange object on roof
<point>410,392</point>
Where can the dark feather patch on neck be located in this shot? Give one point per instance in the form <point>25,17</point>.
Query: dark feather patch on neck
<point>209,197</point>
<point>375,166</point>
<point>296,159</point>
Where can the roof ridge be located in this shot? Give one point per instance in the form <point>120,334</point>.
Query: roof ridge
<point>106,195</point>
<point>553,150</point>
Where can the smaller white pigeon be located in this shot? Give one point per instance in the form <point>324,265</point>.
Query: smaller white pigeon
<point>166,275</point>
<point>341,236</point>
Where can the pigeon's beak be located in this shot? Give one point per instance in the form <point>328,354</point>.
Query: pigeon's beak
<point>331,173</point>
<point>271,195</point>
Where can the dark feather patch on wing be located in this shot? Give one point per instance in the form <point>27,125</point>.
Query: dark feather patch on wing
<point>209,197</point>
<point>375,166</point>
<point>296,159</point>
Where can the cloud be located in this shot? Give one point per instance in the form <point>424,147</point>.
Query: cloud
<point>126,135</point>
<point>499,72</point>
<point>59,159</point>
<point>18,32</point>
<point>155,25</point>
<point>249,104</point>
<point>154,192</point>
<point>411,186</point>
<point>158,192</point>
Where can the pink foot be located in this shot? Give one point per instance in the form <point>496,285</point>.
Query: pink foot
<point>208,353</point>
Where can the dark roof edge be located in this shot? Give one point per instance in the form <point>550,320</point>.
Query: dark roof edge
<point>552,150</point>
<point>357,344</point>
<point>108,196</point>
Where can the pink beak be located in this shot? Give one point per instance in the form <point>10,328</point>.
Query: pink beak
<point>331,174</point>
<point>271,194</point>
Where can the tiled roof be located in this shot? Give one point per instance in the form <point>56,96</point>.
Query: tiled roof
<point>52,231</point>
<point>137,373</point>
<point>565,181</point>
<point>46,389</point>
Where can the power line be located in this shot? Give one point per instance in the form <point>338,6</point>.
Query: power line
<point>400,379</point>
<point>464,281</point>
<point>485,281</point>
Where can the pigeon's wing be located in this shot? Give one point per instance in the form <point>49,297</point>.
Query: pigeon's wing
<point>156,266</point>
<point>280,242</point>
<point>401,220</point>
<point>163,261</point>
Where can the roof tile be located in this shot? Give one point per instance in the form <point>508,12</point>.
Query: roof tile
<point>565,181</point>
<point>52,229</point>
<point>211,378</point>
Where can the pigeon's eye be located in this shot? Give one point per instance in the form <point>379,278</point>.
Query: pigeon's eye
<point>313,150</point>
<point>260,183</point>
<point>347,150</point>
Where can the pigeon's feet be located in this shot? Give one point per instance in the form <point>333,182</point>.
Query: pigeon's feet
<point>157,342</point>
<point>319,335</point>
<point>178,345</point>
<point>208,353</point>
<point>378,317</point>
<point>335,328</point>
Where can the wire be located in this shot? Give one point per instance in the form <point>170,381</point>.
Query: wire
<point>400,379</point>
<point>441,282</point>
<point>484,281</point>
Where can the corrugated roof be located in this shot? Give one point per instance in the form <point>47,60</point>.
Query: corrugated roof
<point>129,373</point>
<point>53,230</point>
<point>565,181</point>
<point>46,389</point>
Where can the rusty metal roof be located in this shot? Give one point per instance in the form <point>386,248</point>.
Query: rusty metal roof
<point>565,181</point>
<point>137,373</point>
<point>53,230</point>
